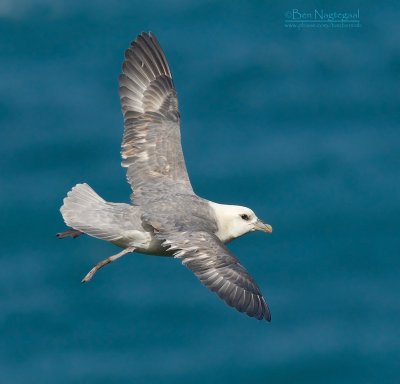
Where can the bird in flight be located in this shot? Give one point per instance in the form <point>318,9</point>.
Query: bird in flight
<point>165,217</point>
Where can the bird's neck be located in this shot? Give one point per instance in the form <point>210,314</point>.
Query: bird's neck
<point>223,217</point>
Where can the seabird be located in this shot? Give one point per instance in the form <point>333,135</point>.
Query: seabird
<point>165,217</point>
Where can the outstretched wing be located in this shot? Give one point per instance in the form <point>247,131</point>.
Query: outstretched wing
<point>151,147</point>
<point>218,269</point>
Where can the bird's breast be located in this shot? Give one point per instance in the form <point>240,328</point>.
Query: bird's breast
<point>143,242</point>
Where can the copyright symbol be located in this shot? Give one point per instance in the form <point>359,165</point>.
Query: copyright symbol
<point>288,15</point>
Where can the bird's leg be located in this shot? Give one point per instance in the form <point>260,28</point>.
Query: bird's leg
<point>104,262</point>
<point>71,232</point>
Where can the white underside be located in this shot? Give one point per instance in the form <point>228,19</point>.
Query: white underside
<point>143,242</point>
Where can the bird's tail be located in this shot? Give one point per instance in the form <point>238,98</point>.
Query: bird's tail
<point>85,211</point>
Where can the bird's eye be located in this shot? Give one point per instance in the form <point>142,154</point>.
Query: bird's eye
<point>245,217</point>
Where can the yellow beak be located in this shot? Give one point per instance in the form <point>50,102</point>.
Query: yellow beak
<point>260,226</point>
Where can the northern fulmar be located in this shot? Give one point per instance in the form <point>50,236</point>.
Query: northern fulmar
<point>165,217</point>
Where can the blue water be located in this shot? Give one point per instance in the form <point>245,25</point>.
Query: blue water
<point>300,125</point>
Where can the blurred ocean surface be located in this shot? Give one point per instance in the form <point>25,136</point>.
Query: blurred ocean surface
<point>300,125</point>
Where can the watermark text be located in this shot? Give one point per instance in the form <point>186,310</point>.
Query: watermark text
<point>321,18</point>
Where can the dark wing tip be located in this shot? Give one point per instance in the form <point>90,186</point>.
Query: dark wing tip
<point>267,312</point>
<point>257,308</point>
<point>242,295</point>
<point>144,34</point>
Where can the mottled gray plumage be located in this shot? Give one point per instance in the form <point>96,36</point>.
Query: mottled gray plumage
<point>166,217</point>
<point>151,147</point>
<point>218,269</point>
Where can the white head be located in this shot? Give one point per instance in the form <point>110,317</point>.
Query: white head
<point>234,221</point>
